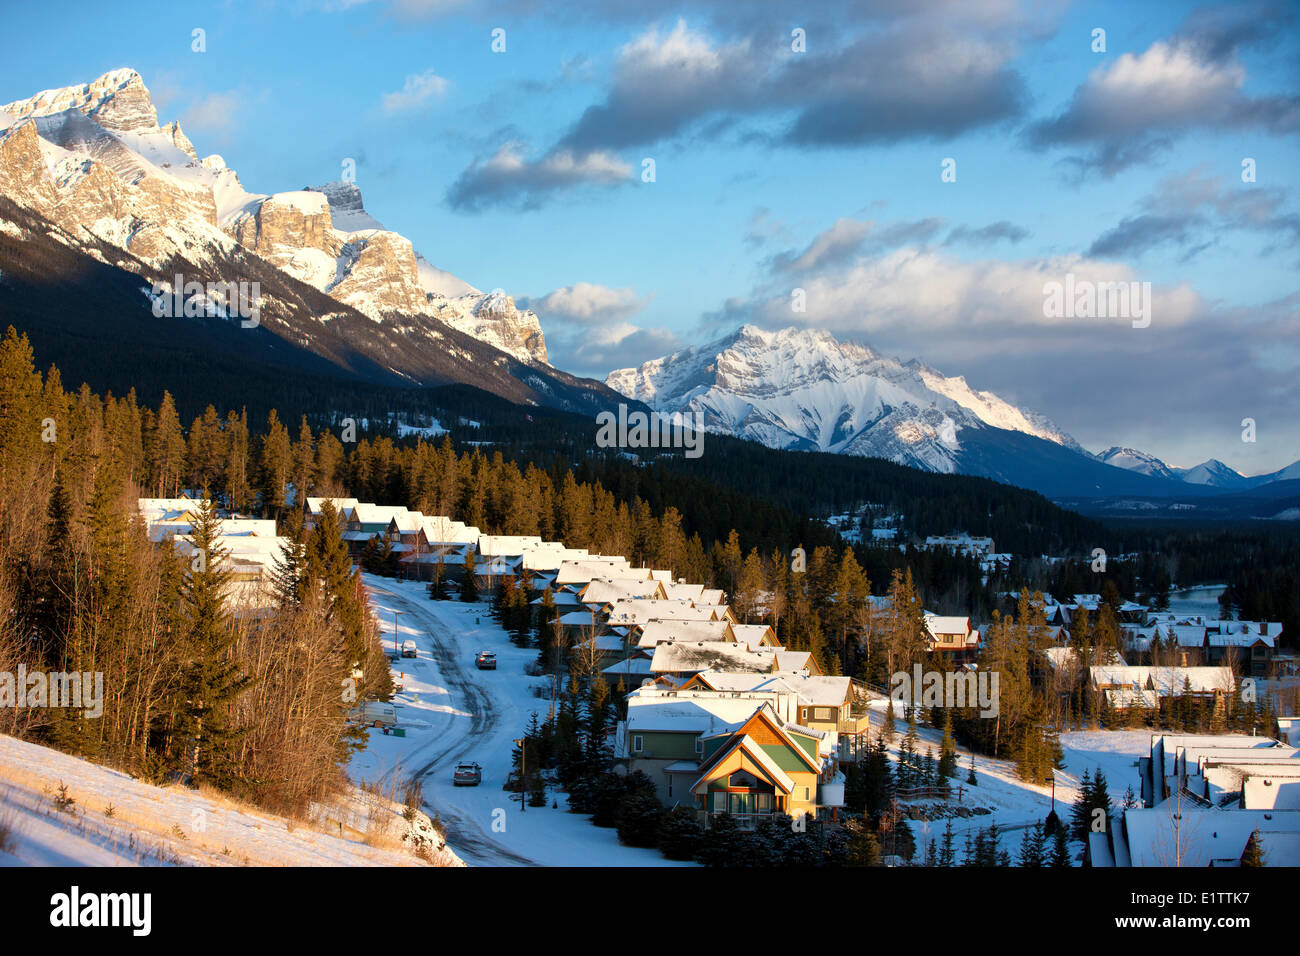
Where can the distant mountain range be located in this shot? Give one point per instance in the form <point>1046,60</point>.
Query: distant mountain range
<point>1213,472</point>
<point>803,390</point>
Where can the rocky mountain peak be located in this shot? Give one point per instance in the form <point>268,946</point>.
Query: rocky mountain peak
<point>118,100</point>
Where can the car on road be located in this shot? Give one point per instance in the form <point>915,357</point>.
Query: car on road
<point>486,661</point>
<point>467,775</point>
<point>408,649</point>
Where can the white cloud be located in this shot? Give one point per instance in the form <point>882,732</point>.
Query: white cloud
<point>586,303</point>
<point>418,90</point>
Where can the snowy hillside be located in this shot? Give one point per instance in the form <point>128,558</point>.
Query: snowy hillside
<point>59,810</point>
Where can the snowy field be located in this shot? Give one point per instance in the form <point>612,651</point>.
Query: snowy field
<point>59,810</point>
<point>1014,803</point>
<point>453,712</point>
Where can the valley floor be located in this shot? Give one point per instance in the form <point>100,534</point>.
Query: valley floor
<point>453,712</point>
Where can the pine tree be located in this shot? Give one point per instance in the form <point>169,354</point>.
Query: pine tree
<point>1060,850</point>
<point>1081,815</point>
<point>947,854</point>
<point>1253,855</point>
<point>211,680</point>
<point>947,749</point>
<point>468,582</point>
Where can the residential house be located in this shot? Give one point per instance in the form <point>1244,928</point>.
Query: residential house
<point>764,767</point>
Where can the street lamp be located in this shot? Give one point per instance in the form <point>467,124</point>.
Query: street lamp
<point>397,648</point>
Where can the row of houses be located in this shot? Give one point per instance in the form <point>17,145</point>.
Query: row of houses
<point>1249,648</point>
<point>248,548</point>
<point>1203,796</point>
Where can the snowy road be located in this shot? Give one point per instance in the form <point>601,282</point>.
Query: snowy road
<point>453,712</point>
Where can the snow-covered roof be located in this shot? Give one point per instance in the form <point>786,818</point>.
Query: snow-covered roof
<point>753,635</point>
<point>600,593</point>
<point>506,545</point>
<point>684,591</point>
<point>590,568</point>
<point>341,505</point>
<point>656,632</point>
<point>368,513</point>
<point>1205,836</point>
<point>442,530</point>
<point>1167,681</point>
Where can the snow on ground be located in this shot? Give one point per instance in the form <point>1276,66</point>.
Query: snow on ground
<point>1016,803</point>
<point>453,712</point>
<point>174,825</point>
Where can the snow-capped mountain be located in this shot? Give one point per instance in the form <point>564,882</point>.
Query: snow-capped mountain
<point>802,389</point>
<point>1211,473</point>
<point>93,160</point>
<point>1139,461</point>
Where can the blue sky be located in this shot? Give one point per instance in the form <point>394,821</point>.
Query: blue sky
<point>777,169</point>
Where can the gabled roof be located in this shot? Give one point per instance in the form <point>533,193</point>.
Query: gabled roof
<point>342,505</point>
<point>755,635</point>
<point>599,593</point>
<point>751,748</point>
<point>765,715</point>
<point>442,530</point>
<point>656,632</point>
<point>506,545</point>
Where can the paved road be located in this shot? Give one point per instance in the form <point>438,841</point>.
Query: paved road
<point>456,739</point>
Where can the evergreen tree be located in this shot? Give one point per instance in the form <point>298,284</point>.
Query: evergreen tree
<point>1060,850</point>
<point>947,750</point>
<point>1081,815</point>
<point>1253,855</point>
<point>211,680</point>
<point>468,584</point>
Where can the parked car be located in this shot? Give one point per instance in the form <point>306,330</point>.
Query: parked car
<point>374,713</point>
<point>467,775</point>
<point>486,661</point>
<point>408,649</point>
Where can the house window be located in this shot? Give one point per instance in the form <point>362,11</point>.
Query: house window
<point>636,743</point>
<point>823,713</point>
<point>699,745</point>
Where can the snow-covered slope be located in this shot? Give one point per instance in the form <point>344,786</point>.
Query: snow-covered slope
<point>803,389</point>
<point>1210,473</point>
<point>59,810</point>
<point>93,159</point>
<point>1134,460</point>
